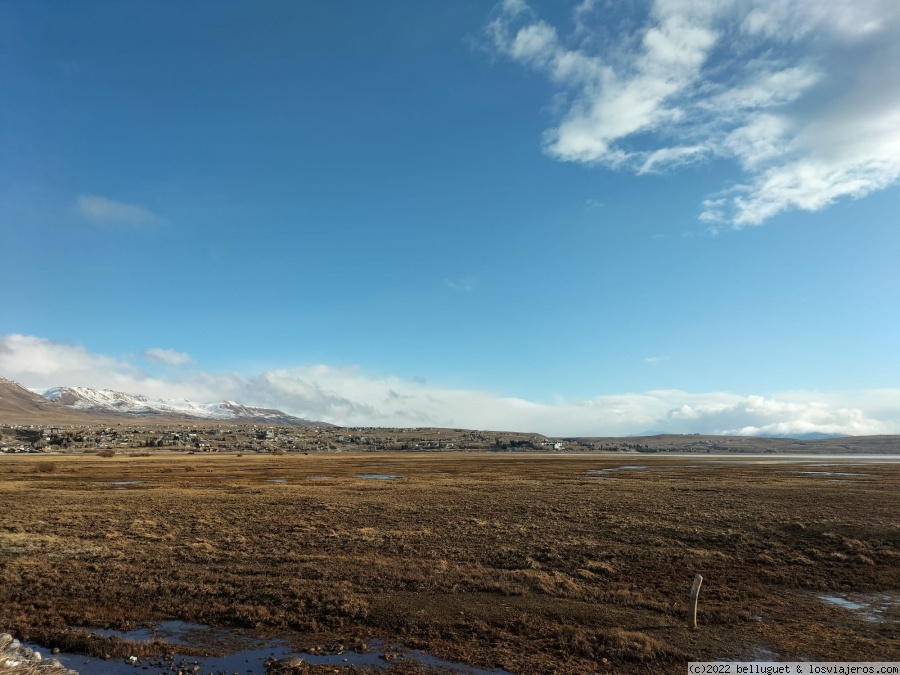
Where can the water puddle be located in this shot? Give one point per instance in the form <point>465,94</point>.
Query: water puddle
<point>249,662</point>
<point>170,631</point>
<point>871,607</point>
<point>833,473</point>
<point>756,654</point>
<point>248,656</point>
<point>824,459</point>
<point>382,657</point>
<point>613,469</point>
<point>842,602</point>
<point>378,476</point>
<point>277,480</point>
<point>762,654</point>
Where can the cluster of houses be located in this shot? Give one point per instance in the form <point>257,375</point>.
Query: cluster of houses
<point>241,438</point>
<point>15,449</point>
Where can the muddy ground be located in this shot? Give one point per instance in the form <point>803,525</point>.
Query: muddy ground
<point>532,564</point>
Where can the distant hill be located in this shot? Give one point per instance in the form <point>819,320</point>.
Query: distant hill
<point>107,401</point>
<point>708,443</point>
<point>812,436</point>
<point>19,405</point>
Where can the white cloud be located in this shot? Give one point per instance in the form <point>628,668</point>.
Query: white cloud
<point>655,360</point>
<point>713,210</point>
<point>804,97</point>
<point>513,7</point>
<point>169,357</point>
<point>106,211</point>
<point>349,396</point>
<point>670,158</point>
<point>42,364</point>
<point>463,284</point>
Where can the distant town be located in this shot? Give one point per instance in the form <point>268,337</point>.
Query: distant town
<point>246,438</point>
<point>129,438</point>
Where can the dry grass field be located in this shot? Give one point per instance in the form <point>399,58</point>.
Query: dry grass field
<point>534,564</point>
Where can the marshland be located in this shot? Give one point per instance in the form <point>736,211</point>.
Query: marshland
<point>532,564</point>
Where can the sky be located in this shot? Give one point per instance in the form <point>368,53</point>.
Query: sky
<point>573,217</point>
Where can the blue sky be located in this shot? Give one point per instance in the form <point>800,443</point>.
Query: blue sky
<point>562,217</point>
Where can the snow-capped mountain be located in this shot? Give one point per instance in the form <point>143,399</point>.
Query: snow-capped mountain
<point>118,402</point>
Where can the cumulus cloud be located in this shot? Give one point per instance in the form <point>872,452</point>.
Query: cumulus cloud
<point>41,361</point>
<point>349,396</point>
<point>655,360</point>
<point>804,97</point>
<point>109,212</point>
<point>168,357</point>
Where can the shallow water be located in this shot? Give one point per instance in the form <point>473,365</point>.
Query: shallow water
<point>841,602</point>
<point>756,654</point>
<point>737,457</point>
<point>602,473</point>
<point>871,607</point>
<point>248,660</point>
<point>773,458</point>
<point>171,631</point>
<point>833,473</point>
<point>378,476</point>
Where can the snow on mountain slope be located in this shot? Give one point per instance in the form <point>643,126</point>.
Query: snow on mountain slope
<point>107,400</point>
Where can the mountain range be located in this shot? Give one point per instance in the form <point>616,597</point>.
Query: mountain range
<point>72,404</point>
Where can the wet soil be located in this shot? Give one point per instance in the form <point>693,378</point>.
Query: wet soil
<point>530,564</point>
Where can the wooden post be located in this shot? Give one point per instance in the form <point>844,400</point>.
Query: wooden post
<point>695,596</point>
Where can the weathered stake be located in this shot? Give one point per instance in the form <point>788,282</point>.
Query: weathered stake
<point>695,596</point>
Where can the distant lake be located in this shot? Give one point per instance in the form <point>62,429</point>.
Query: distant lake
<point>735,457</point>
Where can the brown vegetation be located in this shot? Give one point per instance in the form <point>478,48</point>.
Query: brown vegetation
<point>45,467</point>
<point>529,563</point>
